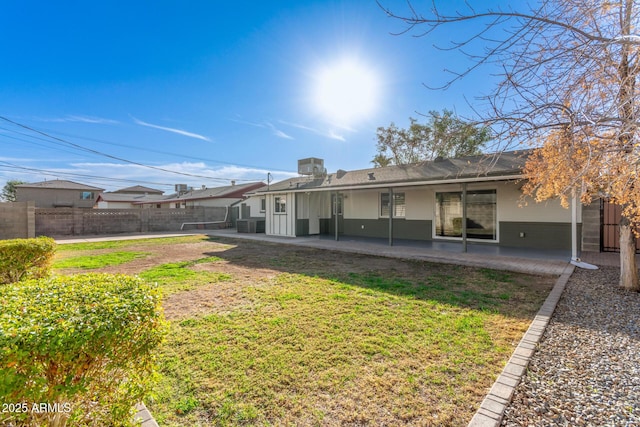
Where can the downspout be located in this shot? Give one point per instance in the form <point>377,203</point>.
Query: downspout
<point>464,217</point>
<point>391,207</point>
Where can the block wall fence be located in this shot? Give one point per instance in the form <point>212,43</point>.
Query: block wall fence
<point>23,220</point>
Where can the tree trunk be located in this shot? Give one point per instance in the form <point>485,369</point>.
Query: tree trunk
<point>628,266</point>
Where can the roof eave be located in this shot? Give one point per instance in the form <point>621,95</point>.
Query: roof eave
<point>396,184</point>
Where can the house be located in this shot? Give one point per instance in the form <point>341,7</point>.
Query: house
<point>129,198</point>
<point>426,202</point>
<point>58,193</point>
<point>209,197</point>
<point>139,189</point>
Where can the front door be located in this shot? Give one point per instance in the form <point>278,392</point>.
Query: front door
<point>337,212</point>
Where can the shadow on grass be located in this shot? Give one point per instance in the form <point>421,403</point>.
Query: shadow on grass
<point>510,294</point>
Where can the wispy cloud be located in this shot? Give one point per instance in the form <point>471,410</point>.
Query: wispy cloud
<point>173,130</point>
<point>265,125</point>
<point>328,134</point>
<point>277,132</point>
<point>217,175</point>
<point>81,119</point>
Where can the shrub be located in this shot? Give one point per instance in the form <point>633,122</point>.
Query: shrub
<point>25,258</point>
<point>81,344</point>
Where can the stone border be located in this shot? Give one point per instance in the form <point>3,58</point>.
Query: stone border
<point>492,409</point>
<point>143,416</point>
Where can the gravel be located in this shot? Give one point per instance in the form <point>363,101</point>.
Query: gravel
<point>586,370</point>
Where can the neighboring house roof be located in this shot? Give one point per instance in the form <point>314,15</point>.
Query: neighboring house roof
<point>60,184</point>
<point>469,168</point>
<point>226,192</point>
<point>138,189</point>
<point>128,198</point>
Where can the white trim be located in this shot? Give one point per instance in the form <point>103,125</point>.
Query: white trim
<point>400,184</point>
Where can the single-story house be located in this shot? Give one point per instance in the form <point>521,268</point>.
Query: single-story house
<point>58,193</point>
<point>209,197</point>
<point>427,201</point>
<point>128,198</point>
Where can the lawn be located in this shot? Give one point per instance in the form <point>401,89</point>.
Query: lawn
<point>267,334</point>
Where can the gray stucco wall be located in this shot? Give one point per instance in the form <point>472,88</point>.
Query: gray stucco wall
<point>537,235</point>
<point>56,197</point>
<point>402,228</point>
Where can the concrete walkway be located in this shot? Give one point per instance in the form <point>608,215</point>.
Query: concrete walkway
<point>484,256</point>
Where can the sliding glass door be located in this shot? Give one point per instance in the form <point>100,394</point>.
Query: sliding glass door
<point>481,214</point>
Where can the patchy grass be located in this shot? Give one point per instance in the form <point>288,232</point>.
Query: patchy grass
<point>359,350</point>
<point>116,244</point>
<point>89,262</point>
<point>179,276</point>
<point>266,334</point>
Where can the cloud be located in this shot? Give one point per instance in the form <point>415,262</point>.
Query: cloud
<point>211,176</point>
<point>266,125</point>
<point>82,119</point>
<point>277,132</point>
<point>173,130</point>
<point>328,134</point>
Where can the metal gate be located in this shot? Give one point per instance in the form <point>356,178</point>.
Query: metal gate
<point>610,214</point>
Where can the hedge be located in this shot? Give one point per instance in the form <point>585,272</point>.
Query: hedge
<point>81,345</point>
<point>25,258</point>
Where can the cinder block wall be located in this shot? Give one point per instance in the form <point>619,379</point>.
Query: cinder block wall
<point>17,220</point>
<point>79,222</point>
<point>591,227</point>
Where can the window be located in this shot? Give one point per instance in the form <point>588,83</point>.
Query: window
<point>280,204</point>
<point>263,204</point>
<point>399,205</point>
<point>337,202</point>
<point>177,205</point>
<point>481,214</point>
<point>86,195</point>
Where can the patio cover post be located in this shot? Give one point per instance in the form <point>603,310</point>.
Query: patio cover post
<point>391,207</point>
<point>335,212</point>
<point>464,217</point>
<point>574,226</point>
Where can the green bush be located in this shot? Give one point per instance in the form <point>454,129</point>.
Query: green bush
<point>25,258</point>
<point>80,344</point>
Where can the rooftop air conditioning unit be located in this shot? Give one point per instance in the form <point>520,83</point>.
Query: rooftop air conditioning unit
<point>311,166</point>
<point>181,188</point>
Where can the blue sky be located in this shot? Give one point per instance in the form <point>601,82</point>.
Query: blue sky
<point>211,90</point>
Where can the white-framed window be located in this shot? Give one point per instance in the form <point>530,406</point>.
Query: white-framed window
<point>280,204</point>
<point>481,214</point>
<point>263,204</point>
<point>399,205</point>
<point>87,195</point>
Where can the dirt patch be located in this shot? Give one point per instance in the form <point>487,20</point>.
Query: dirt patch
<point>252,264</point>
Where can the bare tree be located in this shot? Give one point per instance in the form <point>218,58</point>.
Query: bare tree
<point>568,73</point>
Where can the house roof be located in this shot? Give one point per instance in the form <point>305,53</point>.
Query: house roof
<point>128,197</point>
<point>60,184</point>
<point>468,168</point>
<point>139,189</point>
<point>229,191</point>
